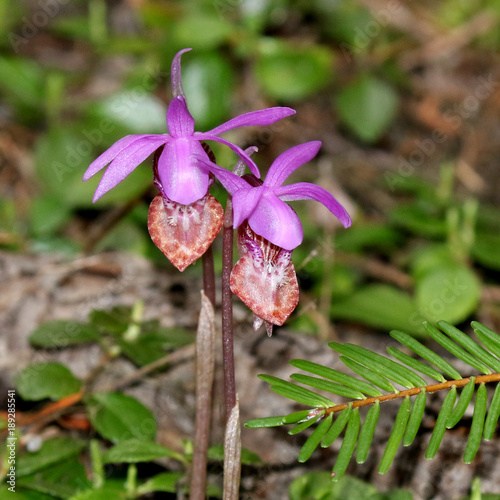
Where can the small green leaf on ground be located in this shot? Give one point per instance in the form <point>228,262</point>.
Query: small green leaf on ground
<point>61,333</point>
<point>136,450</point>
<point>368,107</point>
<point>119,417</point>
<point>46,380</point>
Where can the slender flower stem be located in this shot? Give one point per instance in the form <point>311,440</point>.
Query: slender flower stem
<point>227,310</point>
<point>209,275</point>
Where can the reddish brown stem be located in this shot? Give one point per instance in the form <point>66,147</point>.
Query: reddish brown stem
<point>227,310</point>
<point>209,275</point>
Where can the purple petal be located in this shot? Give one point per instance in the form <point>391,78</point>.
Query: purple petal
<point>205,136</point>
<point>175,74</point>
<point>229,180</point>
<point>289,161</point>
<point>179,121</point>
<point>308,191</point>
<point>125,162</point>
<point>277,222</point>
<point>180,175</point>
<point>100,162</point>
<point>244,202</point>
<point>261,117</point>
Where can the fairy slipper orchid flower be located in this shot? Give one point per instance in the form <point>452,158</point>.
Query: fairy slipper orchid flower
<point>184,218</point>
<point>264,277</point>
<point>178,171</point>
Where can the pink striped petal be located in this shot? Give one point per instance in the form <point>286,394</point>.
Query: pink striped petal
<point>125,163</point>
<point>274,220</point>
<point>179,121</point>
<point>261,117</point>
<point>244,203</point>
<point>175,74</point>
<point>308,191</point>
<point>109,155</point>
<point>181,177</point>
<point>289,161</point>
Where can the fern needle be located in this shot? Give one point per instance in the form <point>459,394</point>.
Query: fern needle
<point>488,341</point>
<point>467,343</point>
<point>348,445</point>
<point>298,416</point>
<point>425,353</point>
<point>367,432</point>
<point>336,376</point>
<point>493,414</point>
<point>396,436</point>
<point>380,364</point>
<point>440,427</point>
<point>477,425</point>
<point>337,427</point>
<point>463,403</point>
<point>303,425</point>
<point>456,350</point>
<point>314,439</point>
<point>416,364</point>
<point>368,374</point>
<point>417,413</point>
<point>326,385</point>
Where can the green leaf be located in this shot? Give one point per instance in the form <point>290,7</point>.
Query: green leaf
<point>425,353</point>
<point>61,480</point>
<point>296,392</point>
<point>297,416</point>
<point>367,432</point>
<point>380,364</point>
<point>61,333</point>
<point>485,250</point>
<point>493,414</point>
<point>440,427</point>
<point>477,425</point>
<point>108,491</point>
<point>52,451</point>
<point>396,436</point>
<point>151,346</point>
<point>449,293</point>
<point>381,306</point>
<point>368,107</point>
<point>46,380</point>
<point>415,364</point>
<point>118,417</point>
<point>292,71</point>
<point>362,237</point>
<point>488,337</point>
<point>258,423</point>
<point>201,30</point>
<point>368,374</point>
<point>115,320</point>
<point>467,343</point>
<point>337,427</point>
<point>305,424</point>
<point>166,482</point>
<point>336,376</point>
<point>463,402</point>
<point>134,450</point>
<point>208,82</point>
<point>415,419</point>
<point>47,215</point>
<point>314,439</point>
<point>326,385</point>
<point>22,85</point>
<point>457,351</point>
<point>421,219</point>
<point>348,445</point>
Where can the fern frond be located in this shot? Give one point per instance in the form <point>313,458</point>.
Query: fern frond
<point>375,373</point>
